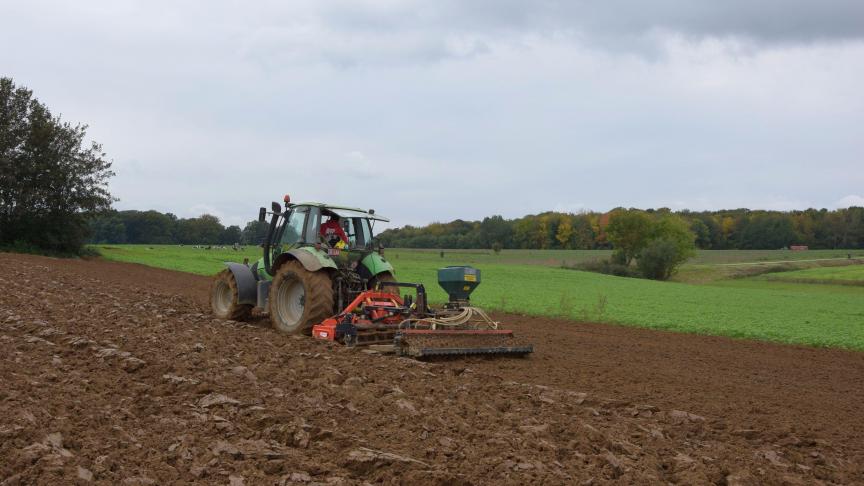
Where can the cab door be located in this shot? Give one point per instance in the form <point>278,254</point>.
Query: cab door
<point>313,226</point>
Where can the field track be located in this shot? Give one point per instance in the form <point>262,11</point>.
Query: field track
<point>115,373</point>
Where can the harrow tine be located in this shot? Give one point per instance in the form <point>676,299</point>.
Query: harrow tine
<point>424,343</point>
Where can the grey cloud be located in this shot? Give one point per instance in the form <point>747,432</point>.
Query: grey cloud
<point>444,109</point>
<point>786,21</point>
<point>355,33</point>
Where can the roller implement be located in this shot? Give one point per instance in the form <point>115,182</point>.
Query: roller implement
<point>323,273</point>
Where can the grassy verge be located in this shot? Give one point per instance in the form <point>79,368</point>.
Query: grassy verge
<point>846,275</point>
<point>698,274</point>
<point>19,247</point>
<point>567,258</point>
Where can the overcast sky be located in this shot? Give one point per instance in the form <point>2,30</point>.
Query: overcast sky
<point>437,110</point>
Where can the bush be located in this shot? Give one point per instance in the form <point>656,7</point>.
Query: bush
<point>661,258</point>
<point>607,267</point>
<point>21,246</point>
<point>618,258</point>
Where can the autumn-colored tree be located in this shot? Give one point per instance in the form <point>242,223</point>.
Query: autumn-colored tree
<point>565,232</point>
<point>629,232</point>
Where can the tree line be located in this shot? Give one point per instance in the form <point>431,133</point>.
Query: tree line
<point>742,229</point>
<point>154,227</point>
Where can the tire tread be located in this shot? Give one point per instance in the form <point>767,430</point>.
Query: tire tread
<point>237,312</point>
<point>319,295</point>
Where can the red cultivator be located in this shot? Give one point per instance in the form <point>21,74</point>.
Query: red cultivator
<point>372,318</point>
<point>413,329</point>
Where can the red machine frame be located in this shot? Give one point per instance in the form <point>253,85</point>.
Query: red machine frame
<point>379,317</point>
<point>373,316</point>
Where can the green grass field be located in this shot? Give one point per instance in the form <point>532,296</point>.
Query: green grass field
<point>531,282</point>
<point>173,257</point>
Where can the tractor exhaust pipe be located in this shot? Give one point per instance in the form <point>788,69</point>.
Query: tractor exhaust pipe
<point>268,239</point>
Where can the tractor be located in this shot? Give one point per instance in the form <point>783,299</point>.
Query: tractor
<point>323,273</point>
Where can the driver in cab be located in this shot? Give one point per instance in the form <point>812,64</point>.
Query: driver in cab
<point>333,233</point>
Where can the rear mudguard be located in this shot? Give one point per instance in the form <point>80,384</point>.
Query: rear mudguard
<point>311,259</point>
<point>247,284</point>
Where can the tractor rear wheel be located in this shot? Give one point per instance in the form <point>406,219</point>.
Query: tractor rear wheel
<point>299,299</point>
<point>224,297</point>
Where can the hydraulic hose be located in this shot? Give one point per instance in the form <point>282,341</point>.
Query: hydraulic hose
<point>461,318</point>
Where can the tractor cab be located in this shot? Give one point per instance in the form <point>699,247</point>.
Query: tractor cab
<point>321,235</point>
<point>355,226</point>
<point>313,224</point>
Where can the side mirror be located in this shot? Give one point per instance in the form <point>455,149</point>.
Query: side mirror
<point>276,207</point>
<point>262,215</point>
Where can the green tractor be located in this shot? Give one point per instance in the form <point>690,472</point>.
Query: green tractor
<point>317,258</point>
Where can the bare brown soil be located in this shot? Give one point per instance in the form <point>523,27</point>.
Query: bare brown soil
<point>117,374</point>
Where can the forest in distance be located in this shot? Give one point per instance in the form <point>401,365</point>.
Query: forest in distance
<point>743,229</point>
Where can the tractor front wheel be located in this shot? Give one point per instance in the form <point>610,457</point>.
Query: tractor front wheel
<point>224,297</point>
<point>299,299</point>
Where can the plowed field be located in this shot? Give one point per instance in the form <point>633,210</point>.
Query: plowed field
<point>116,373</point>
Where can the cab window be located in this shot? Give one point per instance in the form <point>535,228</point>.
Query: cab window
<point>364,235</point>
<point>313,225</point>
<point>348,228</point>
<point>293,226</point>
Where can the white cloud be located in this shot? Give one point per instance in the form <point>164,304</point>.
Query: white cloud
<point>570,207</point>
<point>849,201</point>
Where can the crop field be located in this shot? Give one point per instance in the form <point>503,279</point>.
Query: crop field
<point>529,282</point>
